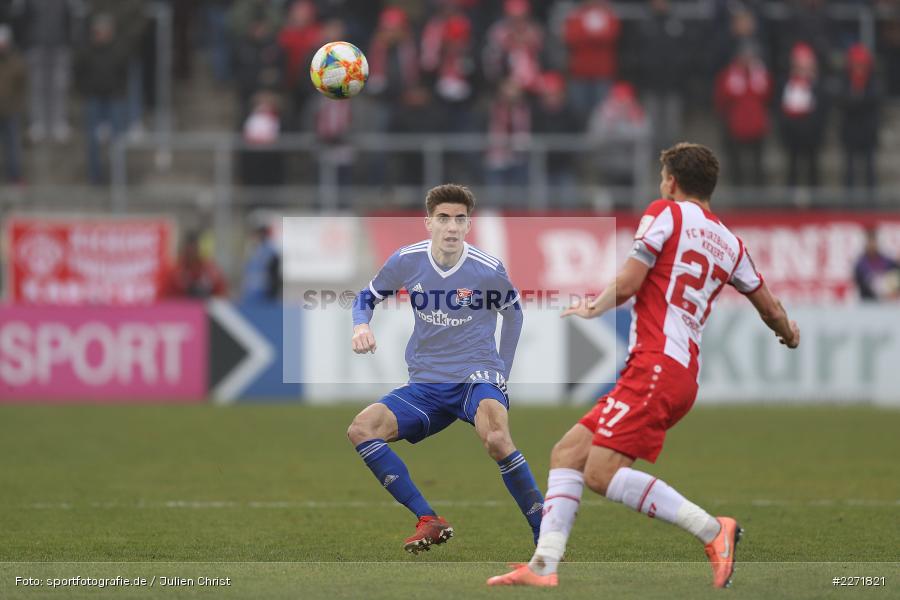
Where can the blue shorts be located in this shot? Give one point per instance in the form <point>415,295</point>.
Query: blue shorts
<point>423,409</point>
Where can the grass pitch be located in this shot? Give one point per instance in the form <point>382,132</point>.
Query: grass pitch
<point>275,498</point>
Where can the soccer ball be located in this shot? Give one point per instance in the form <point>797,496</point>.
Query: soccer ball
<point>339,70</point>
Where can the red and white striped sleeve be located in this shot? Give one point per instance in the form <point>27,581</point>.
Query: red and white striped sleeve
<point>656,226</point>
<point>745,278</point>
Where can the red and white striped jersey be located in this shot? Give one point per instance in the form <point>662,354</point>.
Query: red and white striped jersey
<point>691,256</point>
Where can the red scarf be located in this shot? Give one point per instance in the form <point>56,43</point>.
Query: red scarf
<point>333,119</point>
<point>432,43</point>
<point>507,120</point>
<point>858,55</point>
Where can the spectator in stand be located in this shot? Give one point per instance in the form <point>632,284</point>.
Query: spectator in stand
<point>393,54</point>
<point>509,125</point>
<point>216,17</point>
<point>742,93</point>
<point>735,25</point>
<point>803,110</point>
<point>259,61</point>
<point>888,36</point>
<point>131,25</point>
<point>334,123</point>
<point>618,124</point>
<point>591,36</point>
<point>47,28</point>
<point>664,51</point>
<point>860,101</point>
<point>9,15</point>
<point>553,116</point>
<point>299,39</point>
<point>416,10</point>
<point>807,23</point>
<point>420,113</point>
<point>245,15</point>
<point>450,68</point>
<point>433,39</point>
<point>620,116</point>
<point>393,64</point>
<point>262,281</point>
<point>262,164</point>
<point>193,275</point>
<point>482,14</point>
<point>101,75</point>
<point>12,103</point>
<point>393,71</point>
<point>877,276</point>
<point>359,18</point>
<point>449,65</point>
<point>514,45</point>
<point>184,23</point>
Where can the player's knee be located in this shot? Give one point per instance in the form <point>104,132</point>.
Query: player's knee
<point>498,444</point>
<point>568,455</point>
<point>560,455</point>
<point>359,431</point>
<point>597,481</point>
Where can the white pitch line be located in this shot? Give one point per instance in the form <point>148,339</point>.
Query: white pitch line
<point>435,563</point>
<point>341,504</point>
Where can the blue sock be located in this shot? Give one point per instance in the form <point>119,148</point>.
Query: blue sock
<point>393,475</point>
<point>521,484</point>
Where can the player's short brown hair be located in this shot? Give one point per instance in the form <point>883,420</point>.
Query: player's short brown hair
<point>695,168</point>
<point>452,193</point>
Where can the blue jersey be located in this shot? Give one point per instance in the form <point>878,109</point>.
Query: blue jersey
<point>455,311</point>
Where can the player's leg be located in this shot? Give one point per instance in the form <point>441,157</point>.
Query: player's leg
<point>609,473</point>
<point>406,413</point>
<point>564,487</point>
<point>565,484</point>
<point>370,432</point>
<point>492,426</point>
<point>659,393</point>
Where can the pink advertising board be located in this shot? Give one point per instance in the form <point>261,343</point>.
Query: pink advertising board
<point>105,354</point>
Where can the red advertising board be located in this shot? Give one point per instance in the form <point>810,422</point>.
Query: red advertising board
<point>805,258</point>
<point>86,261</point>
<point>110,354</point>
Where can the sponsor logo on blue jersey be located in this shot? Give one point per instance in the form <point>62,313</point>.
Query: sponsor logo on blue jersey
<point>442,319</point>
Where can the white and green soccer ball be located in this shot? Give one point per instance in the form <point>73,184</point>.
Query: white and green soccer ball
<point>339,70</point>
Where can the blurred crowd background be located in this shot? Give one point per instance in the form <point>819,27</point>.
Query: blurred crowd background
<point>792,80</point>
<point>203,109</point>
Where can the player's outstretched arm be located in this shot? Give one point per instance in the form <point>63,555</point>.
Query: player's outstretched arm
<point>626,285</point>
<point>773,314</point>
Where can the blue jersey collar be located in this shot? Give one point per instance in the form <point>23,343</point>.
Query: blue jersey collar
<point>454,268</point>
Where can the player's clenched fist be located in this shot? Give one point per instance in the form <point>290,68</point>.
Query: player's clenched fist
<point>363,339</point>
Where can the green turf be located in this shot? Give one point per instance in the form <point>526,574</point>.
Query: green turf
<point>275,498</point>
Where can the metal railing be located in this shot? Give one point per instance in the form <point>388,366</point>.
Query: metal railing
<point>330,192</point>
<point>433,152</point>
